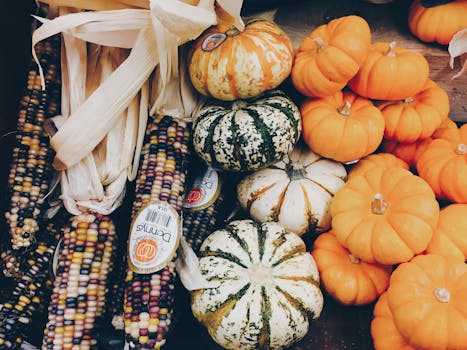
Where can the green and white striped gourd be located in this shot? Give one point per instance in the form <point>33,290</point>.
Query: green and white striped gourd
<point>268,286</point>
<point>296,192</point>
<point>248,134</point>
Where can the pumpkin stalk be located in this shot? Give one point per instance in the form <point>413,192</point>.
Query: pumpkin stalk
<point>461,149</point>
<point>442,295</point>
<point>390,52</point>
<point>378,205</point>
<point>408,99</point>
<point>321,43</point>
<point>296,173</point>
<point>354,260</point>
<point>345,109</point>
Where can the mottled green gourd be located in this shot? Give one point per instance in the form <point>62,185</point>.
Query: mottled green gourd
<point>246,134</point>
<point>267,286</point>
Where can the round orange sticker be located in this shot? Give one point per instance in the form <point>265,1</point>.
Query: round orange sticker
<point>146,250</point>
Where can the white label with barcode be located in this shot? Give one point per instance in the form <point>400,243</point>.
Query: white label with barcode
<point>154,237</point>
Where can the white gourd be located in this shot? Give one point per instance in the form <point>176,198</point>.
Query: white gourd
<point>268,286</point>
<point>296,193</point>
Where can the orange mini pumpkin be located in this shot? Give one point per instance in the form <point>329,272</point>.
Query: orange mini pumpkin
<point>390,73</point>
<point>416,117</point>
<point>439,22</point>
<point>427,298</point>
<point>384,160</point>
<point>409,152</point>
<point>385,215</point>
<point>228,64</point>
<point>346,278</point>
<point>383,331</point>
<point>344,126</point>
<point>444,165</point>
<point>330,56</point>
<point>450,237</point>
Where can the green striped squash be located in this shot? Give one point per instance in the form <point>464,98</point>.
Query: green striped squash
<point>268,286</point>
<point>246,134</point>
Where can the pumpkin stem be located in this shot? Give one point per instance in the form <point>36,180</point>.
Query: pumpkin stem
<point>442,295</point>
<point>390,52</point>
<point>378,205</point>
<point>297,173</point>
<point>354,259</point>
<point>461,149</point>
<point>345,109</point>
<point>408,100</point>
<point>320,42</point>
<point>232,31</point>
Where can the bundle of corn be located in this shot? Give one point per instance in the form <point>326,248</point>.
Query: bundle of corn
<point>149,297</point>
<point>31,289</point>
<point>31,171</point>
<point>79,287</point>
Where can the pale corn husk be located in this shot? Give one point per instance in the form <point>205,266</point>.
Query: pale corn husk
<point>458,48</point>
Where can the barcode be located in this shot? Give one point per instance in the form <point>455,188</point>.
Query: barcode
<point>158,218</point>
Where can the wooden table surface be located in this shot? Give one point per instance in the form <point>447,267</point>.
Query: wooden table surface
<point>339,327</point>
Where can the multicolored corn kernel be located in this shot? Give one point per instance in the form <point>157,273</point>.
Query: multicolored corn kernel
<point>32,286</point>
<point>31,169</point>
<point>79,288</point>
<point>149,298</point>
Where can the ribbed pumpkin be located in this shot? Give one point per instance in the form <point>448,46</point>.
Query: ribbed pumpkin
<point>346,278</point>
<point>377,160</point>
<point>416,117</point>
<point>385,215</point>
<point>427,298</point>
<point>450,236</point>
<point>330,56</point>
<point>409,152</point>
<point>246,134</point>
<point>297,193</point>
<point>444,165</point>
<point>267,286</point>
<point>390,73</point>
<point>437,20</point>
<point>383,331</point>
<point>343,127</point>
<point>244,65</point>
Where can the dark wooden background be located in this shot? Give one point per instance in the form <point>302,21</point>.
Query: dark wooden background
<point>339,327</point>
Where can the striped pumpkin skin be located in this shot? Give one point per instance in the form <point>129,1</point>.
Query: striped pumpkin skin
<point>244,65</point>
<point>246,134</point>
<point>297,194</point>
<point>268,287</point>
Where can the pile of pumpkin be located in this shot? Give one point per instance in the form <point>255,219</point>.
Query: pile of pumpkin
<point>381,232</point>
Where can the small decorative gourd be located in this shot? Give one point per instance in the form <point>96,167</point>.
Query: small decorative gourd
<point>268,287</point>
<point>384,160</point>
<point>383,331</point>
<point>385,215</point>
<point>390,73</point>
<point>227,64</point>
<point>246,134</point>
<point>343,127</point>
<point>346,278</point>
<point>297,192</point>
<point>409,152</point>
<point>330,56</point>
<point>427,298</point>
<point>416,117</point>
<point>443,165</point>
<point>437,20</point>
<point>450,236</point>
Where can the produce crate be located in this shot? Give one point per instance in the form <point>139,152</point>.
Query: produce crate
<point>339,327</point>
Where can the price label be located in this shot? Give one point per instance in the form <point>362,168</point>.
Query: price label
<point>154,238</point>
<point>204,192</point>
